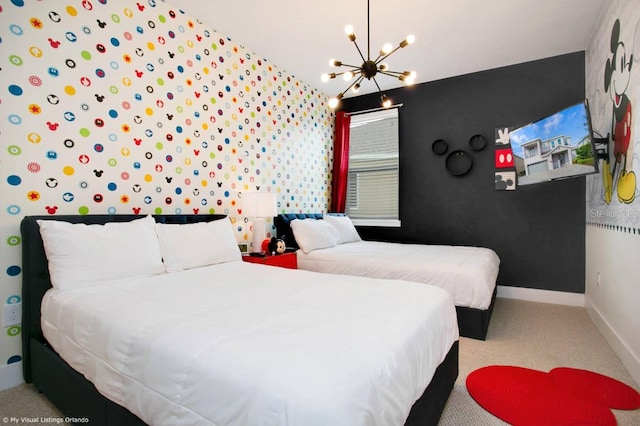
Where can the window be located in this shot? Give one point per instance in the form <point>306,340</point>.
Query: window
<point>372,184</point>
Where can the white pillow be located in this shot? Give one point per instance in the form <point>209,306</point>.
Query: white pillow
<point>192,245</point>
<point>80,255</point>
<point>347,233</point>
<point>313,234</point>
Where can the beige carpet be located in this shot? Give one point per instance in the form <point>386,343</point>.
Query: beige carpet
<point>527,334</point>
<point>539,336</point>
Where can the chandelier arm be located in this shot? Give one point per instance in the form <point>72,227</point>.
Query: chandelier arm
<point>378,58</point>
<point>359,51</point>
<point>355,67</point>
<point>387,55</point>
<point>391,73</point>
<point>350,86</point>
<point>383,97</point>
<point>344,72</point>
<point>377,85</point>
<point>357,82</point>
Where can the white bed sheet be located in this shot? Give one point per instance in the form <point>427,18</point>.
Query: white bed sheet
<point>247,344</point>
<point>468,273</point>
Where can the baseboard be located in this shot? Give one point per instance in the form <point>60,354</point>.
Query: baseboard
<point>626,356</point>
<point>11,375</point>
<point>543,296</point>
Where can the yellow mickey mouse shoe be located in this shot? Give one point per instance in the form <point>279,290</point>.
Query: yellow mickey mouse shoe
<point>606,182</point>
<point>627,187</point>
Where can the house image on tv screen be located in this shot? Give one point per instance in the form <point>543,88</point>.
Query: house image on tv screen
<point>556,147</point>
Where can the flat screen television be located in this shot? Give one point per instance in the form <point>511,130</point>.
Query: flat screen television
<point>559,146</point>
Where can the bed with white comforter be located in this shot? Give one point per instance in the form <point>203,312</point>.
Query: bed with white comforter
<point>331,244</point>
<point>237,344</point>
<point>467,273</point>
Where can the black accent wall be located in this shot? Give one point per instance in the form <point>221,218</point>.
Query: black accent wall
<point>538,230</point>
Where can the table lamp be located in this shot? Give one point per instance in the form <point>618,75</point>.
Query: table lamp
<point>259,206</point>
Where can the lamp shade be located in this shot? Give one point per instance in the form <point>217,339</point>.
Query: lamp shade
<point>259,204</point>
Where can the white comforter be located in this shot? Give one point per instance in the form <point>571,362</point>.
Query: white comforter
<point>468,273</point>
<point>246,344</point>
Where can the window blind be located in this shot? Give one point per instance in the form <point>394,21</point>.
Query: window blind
<point>372,186</point>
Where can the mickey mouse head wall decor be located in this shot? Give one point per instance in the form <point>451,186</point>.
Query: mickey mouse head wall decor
<point>459,162</point>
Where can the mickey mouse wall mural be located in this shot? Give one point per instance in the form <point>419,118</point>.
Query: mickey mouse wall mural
<point>619,176</point>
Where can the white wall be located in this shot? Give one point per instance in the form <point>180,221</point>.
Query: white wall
<point>614,303</point>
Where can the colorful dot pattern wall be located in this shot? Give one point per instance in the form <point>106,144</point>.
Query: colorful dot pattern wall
<point>120,107</point>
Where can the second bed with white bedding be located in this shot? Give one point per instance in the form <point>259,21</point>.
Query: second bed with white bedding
<point>468,273</point>
<point>238,343</point>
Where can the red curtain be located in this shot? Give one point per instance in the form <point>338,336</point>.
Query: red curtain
<point>340,163</point>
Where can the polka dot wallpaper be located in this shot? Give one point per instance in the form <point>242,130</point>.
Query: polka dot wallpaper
<point>135,107</point>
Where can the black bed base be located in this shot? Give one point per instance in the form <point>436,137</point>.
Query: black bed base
<point>71,393</point>
<point>472,322</point>
<point>77,398</point>
<point>427,410</point>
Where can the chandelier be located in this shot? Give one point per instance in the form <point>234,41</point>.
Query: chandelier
<point>369,68</point>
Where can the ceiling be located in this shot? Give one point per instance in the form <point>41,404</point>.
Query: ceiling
<point>453,37</point>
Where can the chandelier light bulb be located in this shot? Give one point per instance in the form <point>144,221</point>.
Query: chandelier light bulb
<point>386,102</point>
<point>409,77</point>
<point>334,62</point>
<point>349,31</point>
<point>383,67</point>
<point>347,76</point>
<point>327,77</point>
<point>407,41</point>
<point>356,88</point>
<point>388,47</point>
<point>333,102</point>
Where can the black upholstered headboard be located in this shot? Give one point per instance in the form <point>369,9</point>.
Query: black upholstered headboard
<point>35,270</point>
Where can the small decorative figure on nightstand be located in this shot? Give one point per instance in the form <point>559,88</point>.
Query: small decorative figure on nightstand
<point>277,246</point>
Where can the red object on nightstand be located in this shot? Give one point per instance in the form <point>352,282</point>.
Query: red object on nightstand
<point>284,260</point>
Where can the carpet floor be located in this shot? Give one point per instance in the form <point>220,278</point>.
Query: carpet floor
<point>527,334</point>
<point>538,336</point>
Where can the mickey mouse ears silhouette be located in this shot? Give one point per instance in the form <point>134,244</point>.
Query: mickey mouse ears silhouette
<point>459,162</point>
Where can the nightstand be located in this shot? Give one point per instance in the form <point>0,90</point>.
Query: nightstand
<point>284,260</point>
